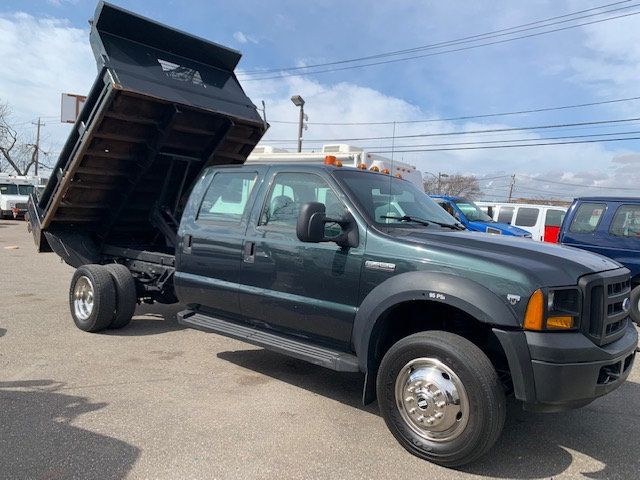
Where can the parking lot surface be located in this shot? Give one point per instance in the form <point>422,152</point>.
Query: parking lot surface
<point>156,400</point>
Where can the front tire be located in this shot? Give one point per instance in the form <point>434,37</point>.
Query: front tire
<point>92,298</point>
<point>634,311</point>
<point>441,397</point>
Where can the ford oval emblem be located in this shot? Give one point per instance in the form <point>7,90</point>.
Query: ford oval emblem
<point>626,305</point>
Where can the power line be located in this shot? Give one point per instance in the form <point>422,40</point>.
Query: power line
<point>469,117</point>
<point>566,137</point>
<point>444,43</point>
<point>469,47</point>
<point>493,147</point>
<point>468,132</point>
<point>536,179</point>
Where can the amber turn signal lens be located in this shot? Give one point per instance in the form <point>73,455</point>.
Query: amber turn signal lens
<point>374,169</point>
<point>560,323</point>
<point>329,160</point>
<point>534,316</point>
<point>362,166</point>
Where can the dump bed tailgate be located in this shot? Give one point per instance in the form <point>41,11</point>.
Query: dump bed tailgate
<point>165,104</point>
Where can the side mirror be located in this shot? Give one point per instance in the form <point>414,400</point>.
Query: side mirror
<point>311,220</point>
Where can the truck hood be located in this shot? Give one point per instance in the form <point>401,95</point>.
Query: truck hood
<point>544,264</point>
<point>504,228</point>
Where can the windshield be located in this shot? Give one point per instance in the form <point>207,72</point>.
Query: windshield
<point>8,189</point>
<point>386,199</point>
<point>472,211</point>
<point>25,189</point>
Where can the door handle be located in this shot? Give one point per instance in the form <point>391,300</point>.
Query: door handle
<point>186,243</point>
<point>249,252</point>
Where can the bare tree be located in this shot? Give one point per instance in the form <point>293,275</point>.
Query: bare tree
<point>453,185</point>
<point>15,151</point>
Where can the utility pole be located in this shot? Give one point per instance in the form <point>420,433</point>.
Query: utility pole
<point>440,177</point>
<point>513,182</point>
<point>37,146</point>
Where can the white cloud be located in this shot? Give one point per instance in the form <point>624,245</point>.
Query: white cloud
<point>243,38</point>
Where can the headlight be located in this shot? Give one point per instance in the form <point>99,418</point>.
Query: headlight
<point>553,309</point>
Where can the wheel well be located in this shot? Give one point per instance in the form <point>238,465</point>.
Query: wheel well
<point>416,316</point>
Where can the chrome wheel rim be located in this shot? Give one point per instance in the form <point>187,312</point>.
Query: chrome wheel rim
<point>83,298</point>
<point>432,400</point>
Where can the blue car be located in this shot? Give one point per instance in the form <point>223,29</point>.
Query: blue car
<point>609,226</point>
<point>470,215</point>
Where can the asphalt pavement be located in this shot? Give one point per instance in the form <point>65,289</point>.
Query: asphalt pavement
<point>158,401</point>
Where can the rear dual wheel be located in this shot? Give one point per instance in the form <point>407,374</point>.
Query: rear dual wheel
<point>102,297</point>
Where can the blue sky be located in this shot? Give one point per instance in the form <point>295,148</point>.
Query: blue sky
<point>586,64</point>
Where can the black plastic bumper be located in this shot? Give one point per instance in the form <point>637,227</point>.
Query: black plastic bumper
<point>560,371</point>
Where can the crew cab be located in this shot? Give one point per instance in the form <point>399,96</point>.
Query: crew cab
<point>472,217</point>
<point>609,226</point>
<point>152,200</point>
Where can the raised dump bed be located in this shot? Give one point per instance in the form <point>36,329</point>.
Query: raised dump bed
<point>165,104</point>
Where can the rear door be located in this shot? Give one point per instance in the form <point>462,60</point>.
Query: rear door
<point>553,218</point>
<point>623,236</point>
<point>211,239</point>
<point>308,289</point>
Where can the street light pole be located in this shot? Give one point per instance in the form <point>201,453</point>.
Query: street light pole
<point>298,101</point>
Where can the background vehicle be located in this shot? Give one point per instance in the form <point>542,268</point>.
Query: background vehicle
<point>609,226</point>
<point>542,221</point>
<point>347,154</point>
<point>476,220</point>
<point>14,194</point>
<point>346,268</point>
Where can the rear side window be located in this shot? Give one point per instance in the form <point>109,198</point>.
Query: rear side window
<point>505,215</point>
<point>227,197</point>
<point>554,218</point>
<point>626,222</point>
<point>527,217</point>
<point>587,217</point>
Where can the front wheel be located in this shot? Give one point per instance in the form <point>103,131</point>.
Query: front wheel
<point>635,305</point>
<point>441,397</point>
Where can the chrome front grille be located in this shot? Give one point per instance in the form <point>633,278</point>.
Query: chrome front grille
<point>604,319</point>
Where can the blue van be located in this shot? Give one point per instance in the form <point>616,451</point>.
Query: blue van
<point>609,226</point>
<point>470,215</point>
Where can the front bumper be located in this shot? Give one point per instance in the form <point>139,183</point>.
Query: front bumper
<point>559,371</point>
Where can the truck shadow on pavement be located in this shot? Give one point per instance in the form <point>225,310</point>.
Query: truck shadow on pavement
<point>594,441</point>
<point>38,440</point>
<point>151,320</point>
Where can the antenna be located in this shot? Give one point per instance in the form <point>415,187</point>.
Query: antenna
<point>393,144</point>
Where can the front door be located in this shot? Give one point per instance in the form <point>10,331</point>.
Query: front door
<point>309,289</point>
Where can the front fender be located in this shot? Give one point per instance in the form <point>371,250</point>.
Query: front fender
<point>462,293</point>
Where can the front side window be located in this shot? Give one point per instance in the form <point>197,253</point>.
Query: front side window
<point>587,217</point>
<point>505,215</point>
<point>626,222</point>
<point>390,201</point>
<point>26,189</point>
<point>527,217</point>
<point>472,211</point>
<point>290,190</point>
<point>227,197</point>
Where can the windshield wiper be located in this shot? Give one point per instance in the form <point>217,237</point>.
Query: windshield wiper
<point>426,223</point>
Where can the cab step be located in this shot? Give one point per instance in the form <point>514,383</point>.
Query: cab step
<point>325,357</point>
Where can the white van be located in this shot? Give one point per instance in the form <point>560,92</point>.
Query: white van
<point>543,221</point>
